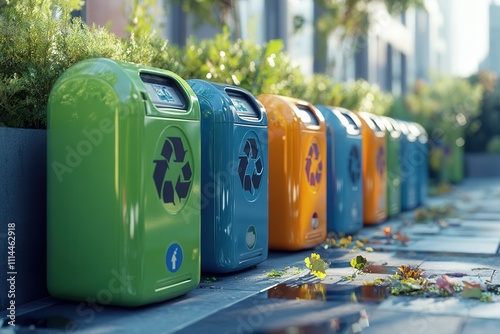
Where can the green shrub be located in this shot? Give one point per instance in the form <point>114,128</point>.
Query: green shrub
<point>445,107</point>
<point>257,68</point>
<point>322,89</point>
<point>360,95</point>
<point>38,42</point>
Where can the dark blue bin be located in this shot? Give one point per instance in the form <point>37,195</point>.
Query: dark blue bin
<point>344,181</point>
<point>409,166</point>
<point>234,178</point>
<point>422,161</point>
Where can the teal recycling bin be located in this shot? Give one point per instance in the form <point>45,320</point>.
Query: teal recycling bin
<point>422,161</point>
<point>234,179</point>
<point>123,185</point>
<point>409,166</point>
<point>344,168</point>
<point>393,137</point>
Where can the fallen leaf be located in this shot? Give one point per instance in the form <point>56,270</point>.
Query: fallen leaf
<point>358,262</point>
<point>474,293</point>
<point>317,265</point>
<point>446,283</point>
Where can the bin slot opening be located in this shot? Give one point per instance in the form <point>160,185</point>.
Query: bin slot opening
<point>307,115</point>
<point>353,126</point>
<point>243,105</point>
<point>164,92</point>
<point>378,128</point>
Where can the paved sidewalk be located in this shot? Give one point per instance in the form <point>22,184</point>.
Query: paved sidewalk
<point>465,247</point>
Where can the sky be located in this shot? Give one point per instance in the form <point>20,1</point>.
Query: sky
<point>469,34</point>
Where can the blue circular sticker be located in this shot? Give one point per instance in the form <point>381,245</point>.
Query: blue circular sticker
<point>174,257</point>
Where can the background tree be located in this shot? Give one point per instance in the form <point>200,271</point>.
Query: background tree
<point>350,20</point>
<point>218,13</point>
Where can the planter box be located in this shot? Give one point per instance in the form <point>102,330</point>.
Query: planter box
<point>479,165</point>
<point>23,204</point>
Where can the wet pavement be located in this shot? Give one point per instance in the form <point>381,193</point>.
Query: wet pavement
<point>282,296</point>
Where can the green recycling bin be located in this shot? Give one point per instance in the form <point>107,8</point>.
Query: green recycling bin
<point>123,191</point>
<point>456,157</point>
<point>393,138</point>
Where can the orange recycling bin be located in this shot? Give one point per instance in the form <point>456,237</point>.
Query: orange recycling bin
<point>374,168</point>
<point>297,173</point>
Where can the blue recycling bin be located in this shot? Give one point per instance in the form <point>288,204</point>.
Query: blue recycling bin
<point>344,181</point>
<point>422,161</point>
<point>409,166</point>
<point>234,178</point>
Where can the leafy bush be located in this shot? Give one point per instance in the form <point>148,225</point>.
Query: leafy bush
<point>445,107</point>
<point>363,96</point>
<point>257,68</point>
<point>322,89</point>
<point>38,42</point>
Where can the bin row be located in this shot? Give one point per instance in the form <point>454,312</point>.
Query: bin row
<point>153,179</point>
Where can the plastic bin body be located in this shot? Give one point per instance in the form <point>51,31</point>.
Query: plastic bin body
<point>344,169</point>
<point>374,169</point>
<point>123,218</point>
<point>297,173</point>
<point>393,138</point>
<point>410,163</point>
<point>422,160</point>
<point>234,180</point>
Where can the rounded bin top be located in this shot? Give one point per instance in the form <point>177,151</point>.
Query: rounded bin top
<point>408,131</point>
<point>374,123</point>
<point>294,110</point>
<point>392,126</point>
<point>223,103</point>
<point>131,88</point>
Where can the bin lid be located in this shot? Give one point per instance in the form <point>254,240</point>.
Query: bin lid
<point>163,91</point>
<point>225,103</point>
<point>307,116</point>
<point>374,122</point>
<point>137,88</point>
<point>392,126</point>
<point>422,135</point>
<point>294,109</point>
<point>353,124</point>
<point>406,131</point>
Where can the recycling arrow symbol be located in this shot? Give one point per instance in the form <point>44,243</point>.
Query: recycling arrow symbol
<point>313,160</point>
<point>354,164</point>
<point>250,166</point>
<point>173,174</point>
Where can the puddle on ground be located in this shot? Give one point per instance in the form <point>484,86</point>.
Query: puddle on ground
<point>349,323</point>
<point>329,292</point>
<point>344,264</point>
<point>369,268</point>
<point>380,269</point>
<point>49,322</point>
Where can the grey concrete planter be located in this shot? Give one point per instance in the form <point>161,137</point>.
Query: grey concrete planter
<point>479,165</point>
<point>23,203</point>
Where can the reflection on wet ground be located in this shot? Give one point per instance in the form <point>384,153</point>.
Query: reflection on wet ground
<point>32,322</point>
<point>349,323</point>
<point>329,292</point>
<point>380,269</point>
